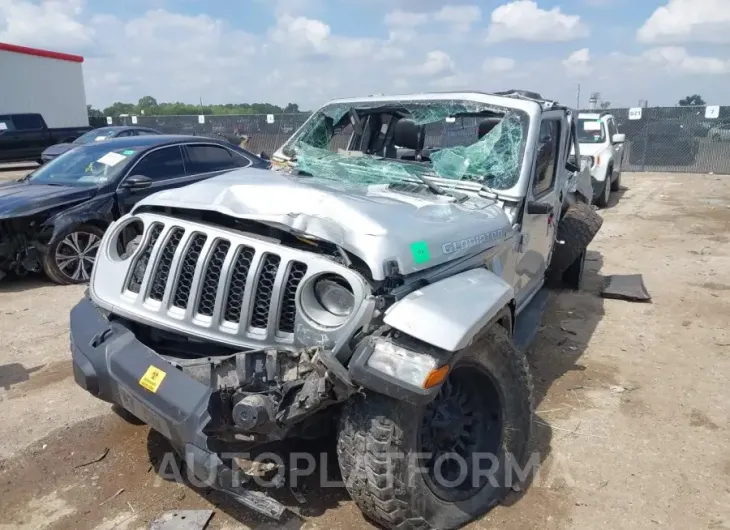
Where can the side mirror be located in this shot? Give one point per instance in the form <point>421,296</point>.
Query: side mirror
<point>618,138</point>
<point>570,166</point>
<point>264,155</point>
<point>535,207</point>
<point>137,182</point>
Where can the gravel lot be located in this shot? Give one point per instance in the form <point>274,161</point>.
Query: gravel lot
<point>632,399</point>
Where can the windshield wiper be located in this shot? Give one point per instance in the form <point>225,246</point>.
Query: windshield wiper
<point>438,190</point>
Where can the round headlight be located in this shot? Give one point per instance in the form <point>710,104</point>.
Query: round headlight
<point>126,238</point>
<point>335,295</point>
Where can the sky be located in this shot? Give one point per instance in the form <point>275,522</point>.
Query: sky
<point>310,51</point>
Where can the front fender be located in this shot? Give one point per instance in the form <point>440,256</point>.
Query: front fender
<point>98,209</point>
<point>449,313</point>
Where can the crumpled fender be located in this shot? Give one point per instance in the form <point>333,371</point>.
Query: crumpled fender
<point>449,313</point>
<point>100,208</point>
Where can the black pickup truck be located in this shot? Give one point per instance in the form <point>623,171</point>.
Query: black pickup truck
<point>25,136</point>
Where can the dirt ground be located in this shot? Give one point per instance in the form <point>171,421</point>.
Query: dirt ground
<point>632,399</point>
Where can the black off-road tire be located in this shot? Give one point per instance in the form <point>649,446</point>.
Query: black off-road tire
<point>576,230</point>
<point>51,268</point>
<point>394,493</point>
<point>573,277</point>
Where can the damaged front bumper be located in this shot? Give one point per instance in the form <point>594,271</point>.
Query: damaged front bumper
<point>112,365</point>
<point>19,254</point>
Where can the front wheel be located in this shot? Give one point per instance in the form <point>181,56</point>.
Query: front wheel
<point>603,199</point>
<point>443,464</point>
<point>616,184</point>
<point>71,258</point>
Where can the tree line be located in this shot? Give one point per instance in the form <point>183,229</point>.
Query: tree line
<point>149,106</point>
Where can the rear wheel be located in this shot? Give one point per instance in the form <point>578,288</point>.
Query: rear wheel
<point>71,258</point>
<point>445,463</point>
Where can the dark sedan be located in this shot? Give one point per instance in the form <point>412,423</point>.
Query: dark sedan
<point>54,218</point>
<point>97,135</point>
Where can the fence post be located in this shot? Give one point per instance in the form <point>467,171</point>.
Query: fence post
<point>278,132</point>
<point>646,141</point>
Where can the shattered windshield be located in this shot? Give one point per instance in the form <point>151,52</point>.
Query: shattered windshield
<point>387,142</point>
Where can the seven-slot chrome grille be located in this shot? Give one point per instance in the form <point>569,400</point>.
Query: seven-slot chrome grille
<point>198,279</point>
<point>219,284</point>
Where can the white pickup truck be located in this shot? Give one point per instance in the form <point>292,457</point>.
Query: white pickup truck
<point>602,147</point>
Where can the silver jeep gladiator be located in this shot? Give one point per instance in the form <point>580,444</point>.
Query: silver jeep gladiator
<point>380,284</point>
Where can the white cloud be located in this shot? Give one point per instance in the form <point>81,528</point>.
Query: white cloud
<point>302,32</point>
<point>459,18</point>
<point>437,62</point>
<point>676,60</point>
<point>402,24</point>
<point>50,24</point>
<point>405,18</point>
<point>498,65</point>
<point>302,35</point>
<point>578,63</point>
<point>688,21</point>
<point>457,81</point>
<point>524,20</point>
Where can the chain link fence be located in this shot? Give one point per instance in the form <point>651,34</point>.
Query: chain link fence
<point>255,132</point>
<point>665,139</point>
<point>675,139</point>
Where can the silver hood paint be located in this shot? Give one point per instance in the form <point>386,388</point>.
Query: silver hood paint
<point>372,222</point>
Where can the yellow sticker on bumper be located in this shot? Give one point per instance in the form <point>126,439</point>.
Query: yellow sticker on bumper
<point>152,379</point>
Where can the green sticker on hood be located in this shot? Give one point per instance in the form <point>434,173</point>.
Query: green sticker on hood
<point>420,253</point>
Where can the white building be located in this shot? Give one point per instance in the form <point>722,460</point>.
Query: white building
<point>44,82</point>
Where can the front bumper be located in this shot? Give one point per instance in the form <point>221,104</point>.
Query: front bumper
<point>112,365</point>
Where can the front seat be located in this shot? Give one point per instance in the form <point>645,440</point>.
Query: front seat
<point>486,126</point>
<point>408,138</point>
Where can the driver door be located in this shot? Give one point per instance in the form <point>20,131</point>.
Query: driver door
<point>542,208</point>
<point>164,167</point>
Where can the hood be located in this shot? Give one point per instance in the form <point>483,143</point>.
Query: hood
<point>58,149</point>
<point>591,149</point>
<point>19,199</point>
<point>376,223</point>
